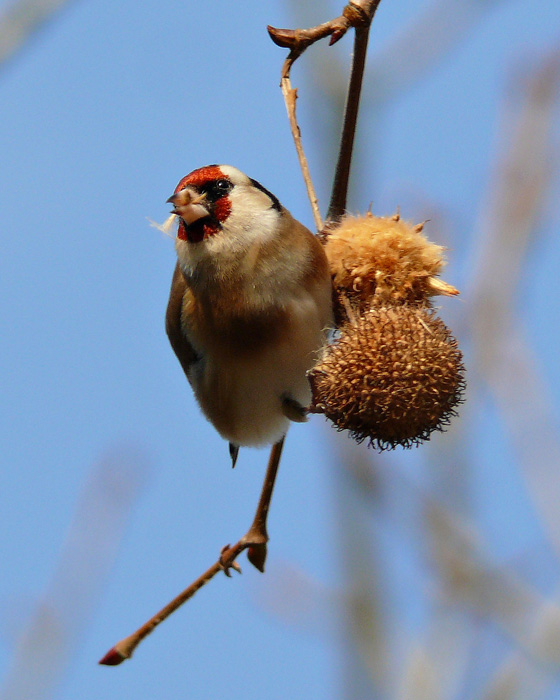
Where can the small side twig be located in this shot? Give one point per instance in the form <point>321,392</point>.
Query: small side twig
<point>254,540</point>
<point>359,15</point>
<point>290,97</point>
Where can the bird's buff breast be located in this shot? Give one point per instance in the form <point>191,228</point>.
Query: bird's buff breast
<point>225,327</point>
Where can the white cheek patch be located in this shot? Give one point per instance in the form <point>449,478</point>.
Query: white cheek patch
<point>252,213</point>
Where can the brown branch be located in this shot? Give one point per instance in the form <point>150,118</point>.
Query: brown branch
<point>125,647</point>
<point>359,15</point>
<point>254,540</point>
<point>339,193</point>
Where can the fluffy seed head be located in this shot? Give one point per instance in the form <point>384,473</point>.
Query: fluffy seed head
<point>377,260</point>
<point>392,377</point>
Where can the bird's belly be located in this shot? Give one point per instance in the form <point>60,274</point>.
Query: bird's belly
<point>242,407</point>
<point>242,395</point>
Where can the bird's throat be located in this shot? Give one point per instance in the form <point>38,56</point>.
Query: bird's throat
<point>197,231</point>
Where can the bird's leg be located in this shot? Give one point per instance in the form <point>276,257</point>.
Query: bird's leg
<point>256,537</point>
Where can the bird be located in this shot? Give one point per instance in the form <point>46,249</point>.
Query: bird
<point>250,305</point>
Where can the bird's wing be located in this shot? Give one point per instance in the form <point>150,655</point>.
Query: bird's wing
<point>185,352</point>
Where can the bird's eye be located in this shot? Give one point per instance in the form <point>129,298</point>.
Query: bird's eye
<point>217,188</point>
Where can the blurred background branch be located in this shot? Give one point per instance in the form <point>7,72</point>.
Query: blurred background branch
<point>20,19</point>
<point>50,639</point>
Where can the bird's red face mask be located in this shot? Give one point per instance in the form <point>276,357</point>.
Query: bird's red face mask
<point>201,203</point>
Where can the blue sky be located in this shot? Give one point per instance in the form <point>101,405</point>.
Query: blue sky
<point>104,110</point>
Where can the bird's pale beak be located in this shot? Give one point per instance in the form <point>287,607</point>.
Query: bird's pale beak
<point>187,204</point>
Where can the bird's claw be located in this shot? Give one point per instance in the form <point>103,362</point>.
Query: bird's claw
<point>227,565</point>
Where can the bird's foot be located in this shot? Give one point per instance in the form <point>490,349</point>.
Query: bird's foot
<point>293,410</point>
<point>227,562</point>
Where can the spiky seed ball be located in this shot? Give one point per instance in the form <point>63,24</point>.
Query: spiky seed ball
<point>393,377</point>
<point>377,260</point>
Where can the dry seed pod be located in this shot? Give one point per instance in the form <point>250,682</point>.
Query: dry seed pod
<point>393,377</point>
<point>377,260</point>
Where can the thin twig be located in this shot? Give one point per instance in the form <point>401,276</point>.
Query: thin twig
<point>254,541</point>
<point>290,97</point>
<point>123,650</point>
